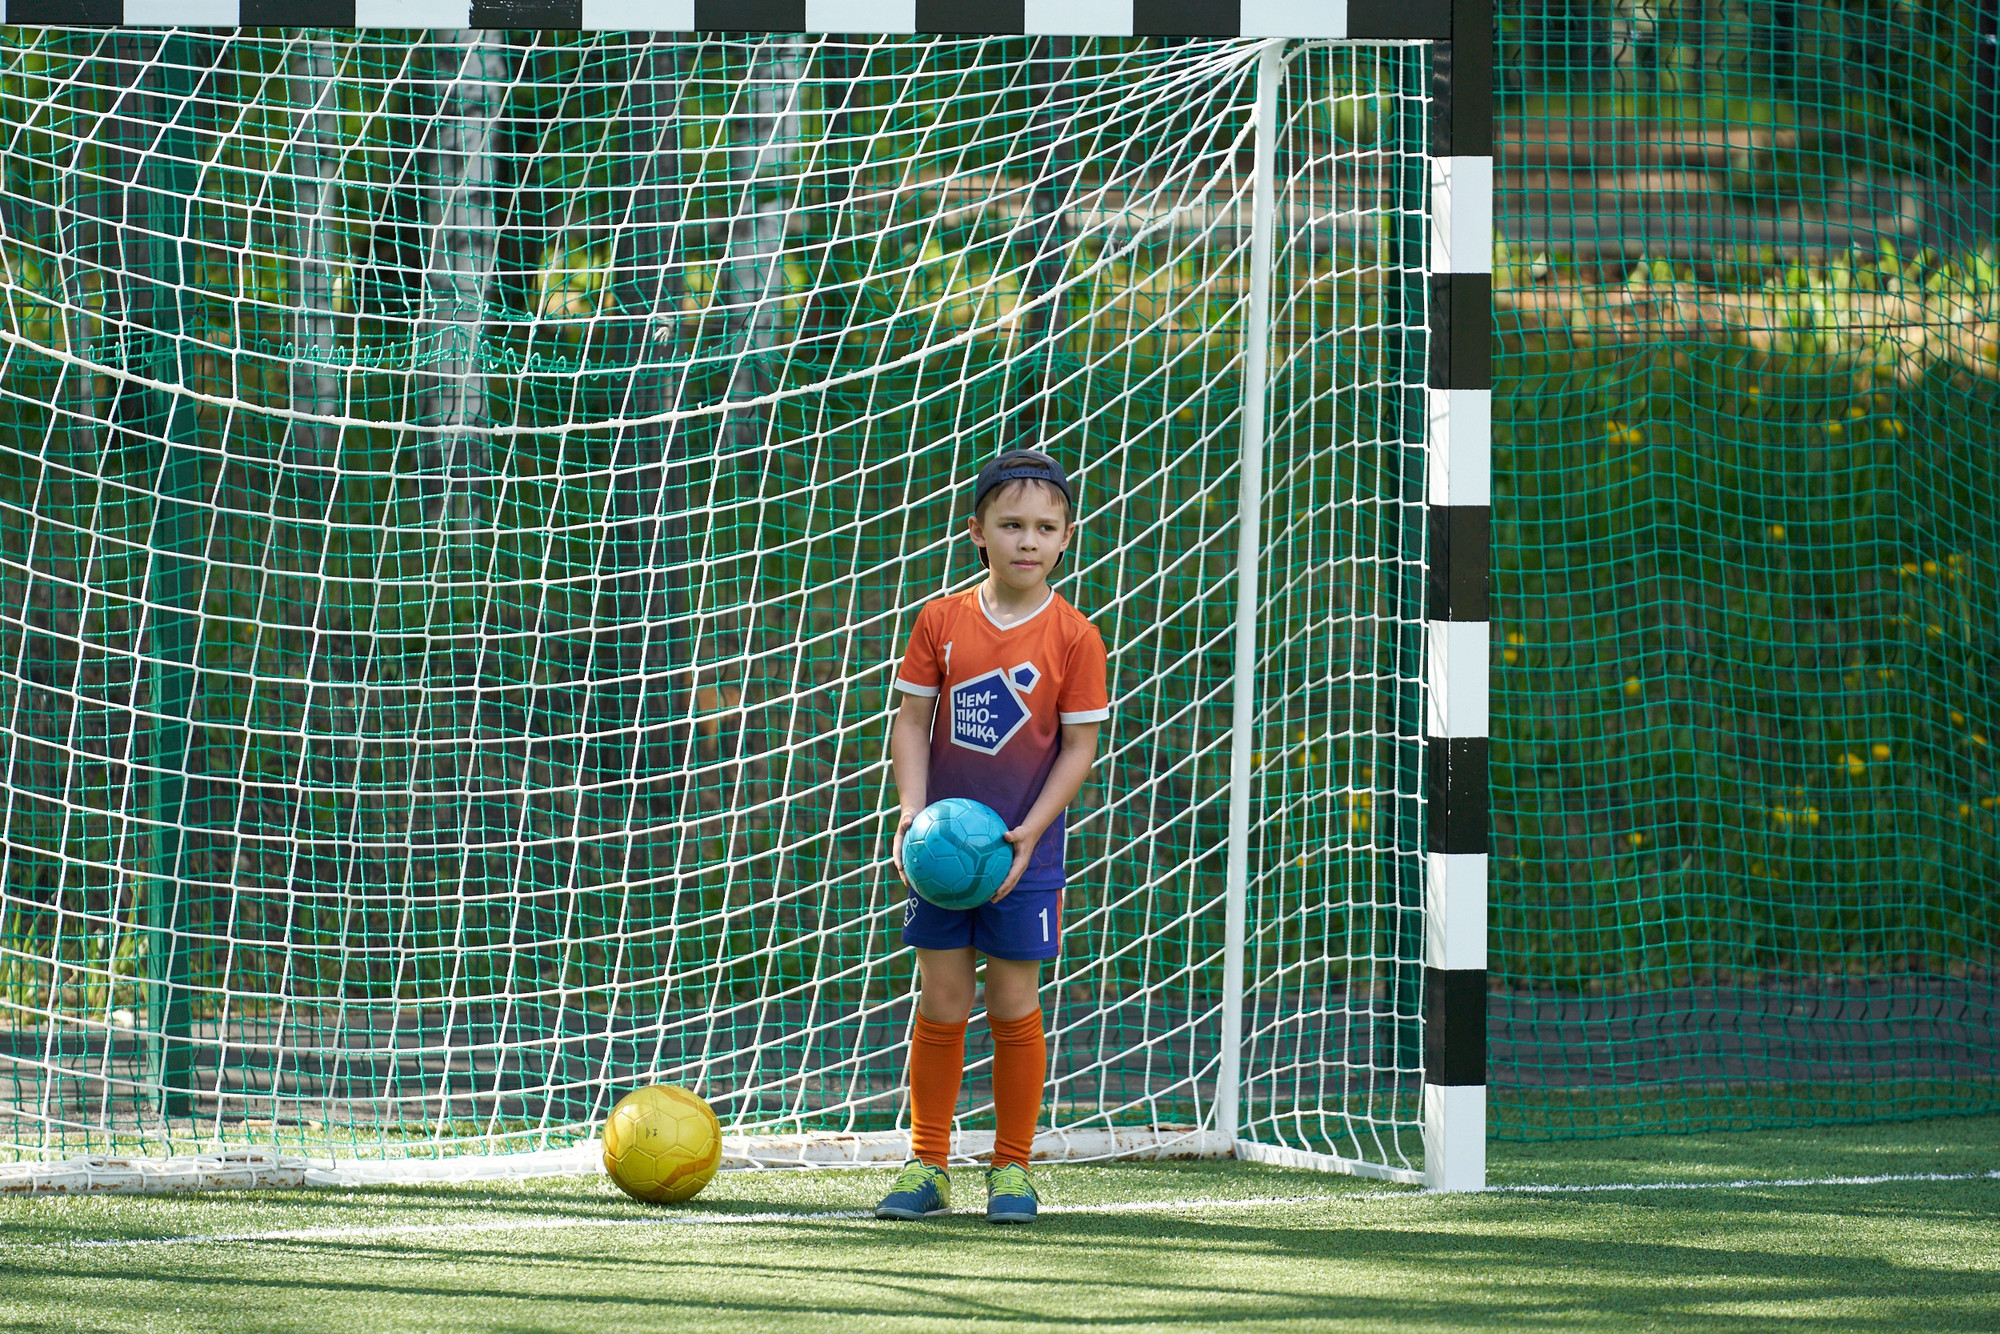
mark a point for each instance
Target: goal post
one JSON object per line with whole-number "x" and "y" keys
{"x": 467, "y": 490}
{"x": 1458, "y": 561}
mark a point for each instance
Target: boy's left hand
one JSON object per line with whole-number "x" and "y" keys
{"x": 1024, "y": 840}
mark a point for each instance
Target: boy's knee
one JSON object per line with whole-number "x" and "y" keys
{"x": 945, "y": 1003}
{"x": 1013, "y": 991}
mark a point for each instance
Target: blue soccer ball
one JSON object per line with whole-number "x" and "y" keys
{"x": 957, "y": 853}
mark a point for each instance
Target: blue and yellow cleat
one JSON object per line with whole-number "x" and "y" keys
{"x": 1010, "y": 1195}
{"x": 921, "y": 1191}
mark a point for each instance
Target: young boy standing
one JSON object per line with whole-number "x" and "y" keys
{"x": 1021, "y": 675}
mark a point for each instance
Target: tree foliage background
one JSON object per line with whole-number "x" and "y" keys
{"x": 1748, "y": 664}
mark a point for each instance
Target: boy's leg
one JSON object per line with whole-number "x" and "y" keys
{"x": 937, "y": 1051}
{"x": 1020, "y": 1055}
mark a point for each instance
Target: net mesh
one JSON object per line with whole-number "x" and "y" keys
{"x": 1745, "y": 565}
{"x": 465, "y": 495}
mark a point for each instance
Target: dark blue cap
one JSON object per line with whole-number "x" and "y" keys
{"x": 1020, "y": 465}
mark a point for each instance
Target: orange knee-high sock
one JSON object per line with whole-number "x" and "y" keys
{"x": 1020, "y": 1062}
{"x": 937, "y": 1063}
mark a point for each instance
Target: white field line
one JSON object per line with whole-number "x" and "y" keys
{"x": 1750, "y": 1183}
{"x": 555, "y": 1224}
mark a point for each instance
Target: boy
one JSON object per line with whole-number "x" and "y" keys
{"x": 1022, "y": 676}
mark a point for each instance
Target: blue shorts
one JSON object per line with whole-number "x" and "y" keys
{"x": 1027, "y": 924}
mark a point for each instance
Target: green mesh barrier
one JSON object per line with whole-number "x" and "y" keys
{"x": 1747, "y": 679}
{"x": 463, "y": 497}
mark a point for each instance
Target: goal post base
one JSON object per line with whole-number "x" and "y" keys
{"x": 1458, "y": 1167}
{"x": 1455, "y": 1137}
{"x": 264, "y": 1169}
{"x": 1278, "y": 1155}
{"x": 889, "y": 1148}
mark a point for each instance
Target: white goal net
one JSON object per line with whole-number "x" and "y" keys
{"x": 463, "y": 497}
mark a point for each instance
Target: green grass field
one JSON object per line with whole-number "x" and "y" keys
{"x": 1126, "y": 1246}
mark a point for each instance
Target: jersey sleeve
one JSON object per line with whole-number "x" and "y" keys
{"x": 921, "y": 673}
{"x": 1084, "y": 698}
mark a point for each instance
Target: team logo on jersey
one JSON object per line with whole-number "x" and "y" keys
{"x": 1024, "y": 677}
{"x": 987, "y": 710}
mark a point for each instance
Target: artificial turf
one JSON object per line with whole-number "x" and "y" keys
{"x": 1125, "y": 1246}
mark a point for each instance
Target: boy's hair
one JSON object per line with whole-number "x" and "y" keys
{"x": 1024, "y": 467}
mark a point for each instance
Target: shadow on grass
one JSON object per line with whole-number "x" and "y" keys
{"x": 1706, "y": 1263}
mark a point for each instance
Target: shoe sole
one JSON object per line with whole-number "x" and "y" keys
{"x": 909, "y": 1215}
{"x": 1010, "y": 1218}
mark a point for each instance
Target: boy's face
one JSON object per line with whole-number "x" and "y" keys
{"x": 1024, "y": 534}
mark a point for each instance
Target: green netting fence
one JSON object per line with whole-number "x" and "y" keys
{"x": 1747, "y": 676}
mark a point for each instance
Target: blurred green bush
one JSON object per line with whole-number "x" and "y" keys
{"x": 1747, "y": 665}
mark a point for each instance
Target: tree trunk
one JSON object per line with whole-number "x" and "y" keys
{"x": 637, "y": 646}
{"x": 315, "y": 172}
{"x": 461, "y": 821}
{"x": 460, "y": 245}
{"x": 752, "y": 279}
{"x": 1033, "y": 417}
{"x": 1986, "y": 82}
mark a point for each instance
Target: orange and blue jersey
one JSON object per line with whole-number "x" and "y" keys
{"x": 1006, "y": 691}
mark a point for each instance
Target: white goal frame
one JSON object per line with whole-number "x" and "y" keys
{"x": 1459, "y": 446}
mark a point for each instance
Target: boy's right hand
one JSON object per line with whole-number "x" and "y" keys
{"x": 896, "y": 846}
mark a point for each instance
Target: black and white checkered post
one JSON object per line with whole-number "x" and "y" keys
{"x": 1073, "y": 18}
{"x": 1461, "y": 415}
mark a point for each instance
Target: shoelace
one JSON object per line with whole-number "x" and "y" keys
{"x": 913, "y": 1177}
{"x": 1013, "y": 1179}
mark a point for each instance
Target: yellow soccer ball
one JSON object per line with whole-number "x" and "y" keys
{"x": 662, "y": 1144}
